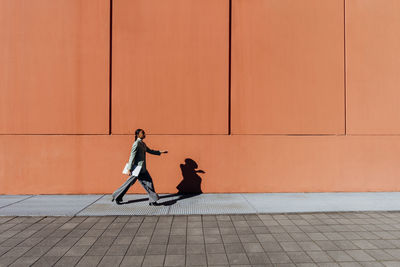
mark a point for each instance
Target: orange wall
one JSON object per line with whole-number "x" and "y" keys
{"x": 373, "y": 66}
{"x": 287, "y": 67}
{"x": 236, "y": 163}
{"x": 54, "y": 66}
{"x": 170, "y": 66}
{"x": 312, "y": 104}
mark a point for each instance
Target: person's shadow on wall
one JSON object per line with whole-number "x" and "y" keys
{"x": 190, "y": 185}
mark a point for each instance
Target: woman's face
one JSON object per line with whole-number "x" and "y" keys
{"x": 142, "y": 135}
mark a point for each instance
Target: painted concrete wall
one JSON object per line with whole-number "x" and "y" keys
{"x": 264, "y": 95}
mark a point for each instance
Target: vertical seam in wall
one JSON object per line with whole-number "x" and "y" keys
{"x": 345, "y": 78}
{"x": 229, "y": 71}
{"x": 110, "y": 69}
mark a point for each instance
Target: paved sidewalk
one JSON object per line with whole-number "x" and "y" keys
{"x": 100, "y": 205}
{"x": 305, "y": 239}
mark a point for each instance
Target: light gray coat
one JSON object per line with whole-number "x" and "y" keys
{"x": 138, "y": 154}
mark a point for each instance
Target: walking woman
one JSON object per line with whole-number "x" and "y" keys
{"x": 137, "y": 161}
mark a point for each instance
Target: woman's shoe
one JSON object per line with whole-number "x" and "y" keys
{"x": 153, "y": 203}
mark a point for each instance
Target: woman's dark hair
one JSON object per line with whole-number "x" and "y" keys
{"x": 137, "y": 133}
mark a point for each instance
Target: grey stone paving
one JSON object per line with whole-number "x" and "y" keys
{"x": 134, "y": 204}
{"x": 275, "y": 239}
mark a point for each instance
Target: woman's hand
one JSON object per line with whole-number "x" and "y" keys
{"x": 163, "y": 151}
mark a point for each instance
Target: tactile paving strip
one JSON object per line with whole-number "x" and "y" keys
{"x": 49, "y": 205}
{"x": 133, "y": 204}
{"x": 212, "y": 204}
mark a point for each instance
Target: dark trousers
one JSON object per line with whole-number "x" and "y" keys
{"x": 145, "y": 180}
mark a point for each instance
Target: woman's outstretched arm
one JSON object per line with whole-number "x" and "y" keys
{"x": 151, "y": 151}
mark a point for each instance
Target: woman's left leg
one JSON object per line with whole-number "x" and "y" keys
{"x": 147, "y": 182}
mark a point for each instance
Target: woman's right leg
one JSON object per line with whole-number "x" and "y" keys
{"x": 147, "y": 182}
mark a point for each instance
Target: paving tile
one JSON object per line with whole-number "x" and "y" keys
{"x": 258, "y": 258}
{"x": 350, "y": 264}
{"x": 300, "y": 237}
{"x": 196, "y": 260}
{"x": 382, "y": 244}
{"x": 281, "y": 237}
{"x": 253, "y": 247}
{"x": 278, "y": 257}
{"x": 16, "y": 252}
{"x": 77, "y": 250}
{"x": 46, "y": 261}
{"x": 132, "y": 261}
{"x": 212, "y": 239}
{"x": 211, "y": 231}
{"x": 194, "y": 231}
{"x": 345, "y": 245}
{"x": 117, "y": 250}
{"x": 156, "y": 249}
{"x": 290, "y": 246}
{"x": 215, "y": 248}
{"x": 267, "y": 237}
{"x": 327, "y": 245}
{"x": 24, "y": 261}
{"x": 390, "y": 263}
{"x": 217, "y": 259}
{"x": 176, "y": 249}
{"x": 227, "y": 231}
{"x": 137, "y": 250}
{"x": 309, "y": 245}
{"x": 36, "y": 251}
{"x": 394, "y": 252}
{"x": 89, "y": 261}
{"x": 159, "y": 239}
{"x": 67, "y": 261}
{"x": 195, "y": 249}
{"x": 174, "y": 260}
{"x": 364, "y": 244}
{"x": 177, "y": 239}
{"x": 108, "y": 261}
{"x": 319, "y": 256}
{"x": 379, "y": 255}
{"x": 317, "y": 236}
{"x": 234, "y": 248}
{"x": 237, "y": 258}
{"x": 6, "y": 261}
{"x": 299, "y": 257}
{"x": 248, "y": 238}
{"x": 271, "y": 246}
{"x": 178, "y": 231}
{"x": 339, "y": 255}
{"x": 371, "y": 264}
{"x": 195, "y": 239}
{"x": 97, "y": 250}
{"x": 227, "y": 239}
{"x": 359, "y": 255}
